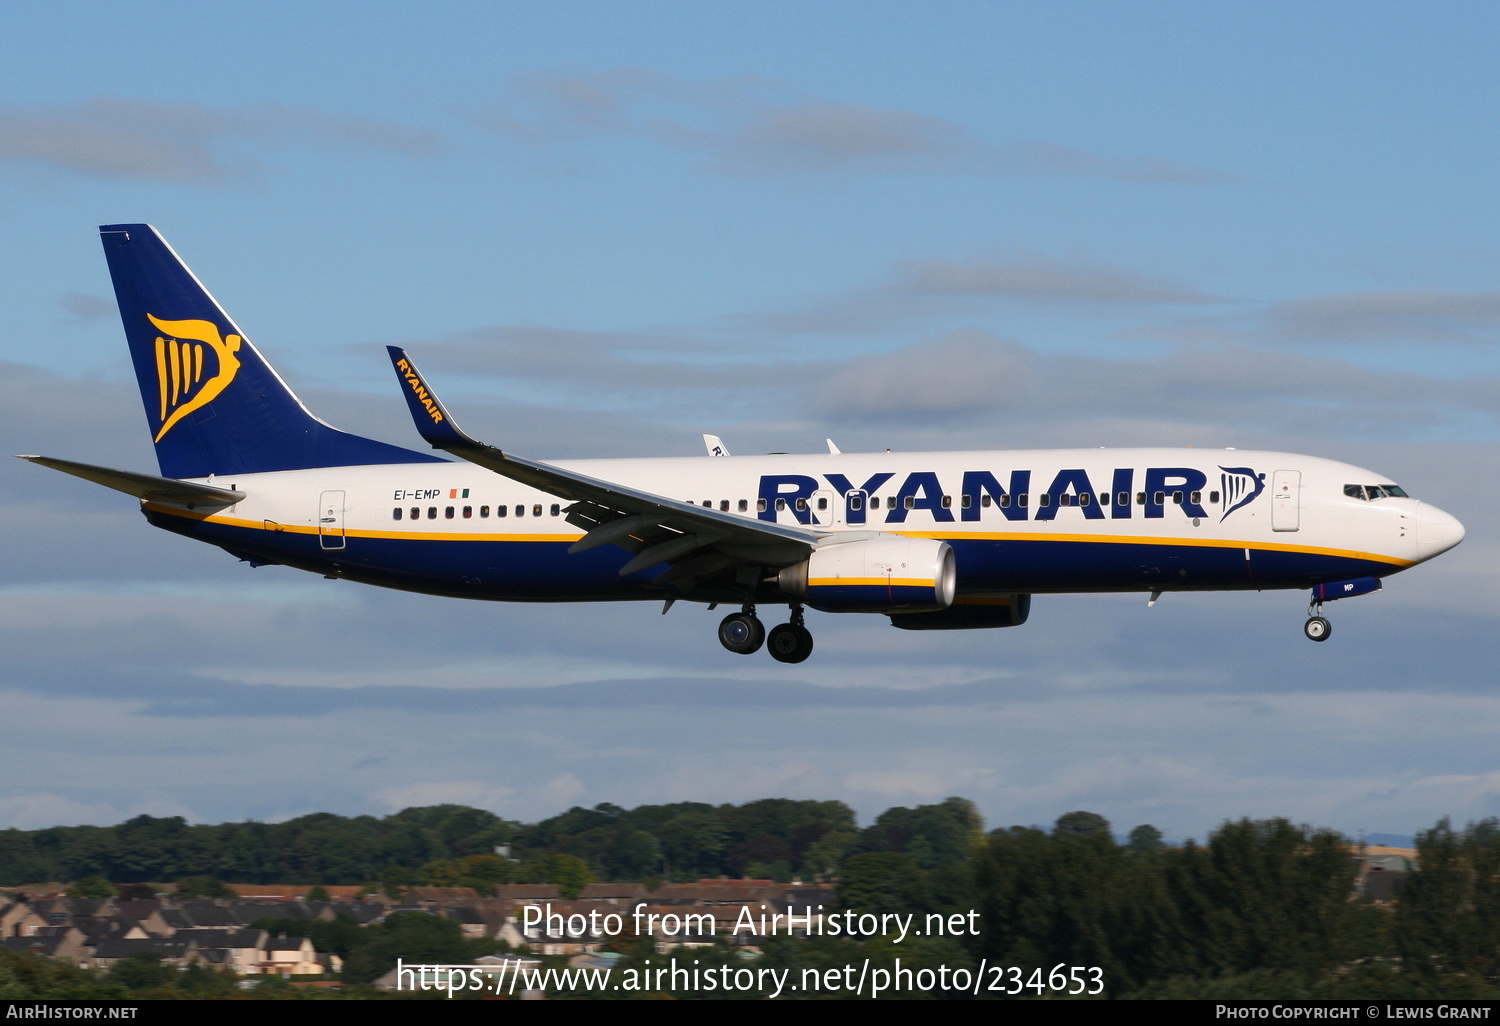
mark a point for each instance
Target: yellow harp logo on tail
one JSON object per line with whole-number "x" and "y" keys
{"x": 182, "y": 350}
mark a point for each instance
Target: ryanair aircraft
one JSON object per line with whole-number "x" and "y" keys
{"x": 934, "y": 541}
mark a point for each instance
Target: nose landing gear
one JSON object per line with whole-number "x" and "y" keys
{"x": 1317, "y": 628}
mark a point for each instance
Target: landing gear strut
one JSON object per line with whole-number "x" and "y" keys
{"x": 742, "y": 632}
{"x": 791, "y": 642}
{"x": 1317, "y": 628}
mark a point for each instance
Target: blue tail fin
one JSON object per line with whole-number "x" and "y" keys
{"x": 214, "y": 405}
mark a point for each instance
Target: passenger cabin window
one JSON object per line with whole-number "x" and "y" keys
{"x": 536, "y": 510}
{"x": 744, "y": 505}
{"x": 416, "y": 512}
{"x": 1213, "y": 497}
{"x": 801, "y": 504}
{"x": 856, "y": 502}
{"x": 780, "y": 505}
{"x": 448, "y": 512}
{"x": 966, "y": 501}
{"x": 520, "y": 511}
{"x": 556, "y": 509}
{"x": 823, "y": 502}
{"x": 1044, "y": 500}
{"x": 947, "y": 502}
{"x": 1177, "y": 498}
{"x": 501, "y": 511}
{"x": 984, "y": 500}
{"x": 760, "y": 505}
{"x": 1023, "y": 499}
{"x": 1123, "y": 498}
{"x": 396, "y": 513}
{"x": 911, "y": 502}
{"x": 723, "y": 505}
{"x": 484, "y": 512}
{"x": 468, "y": 512}
{"x": 1196, "y": 498}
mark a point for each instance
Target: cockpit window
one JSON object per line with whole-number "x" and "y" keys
{"x": 1375, "y": 491}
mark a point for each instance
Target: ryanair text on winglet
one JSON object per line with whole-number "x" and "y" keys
{"x": 420, "y": 391}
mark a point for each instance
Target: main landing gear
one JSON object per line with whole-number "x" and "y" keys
{"x": 1317, "y": 628}
{"x": 791, "y": 642}
{"x": 743, "y": 633}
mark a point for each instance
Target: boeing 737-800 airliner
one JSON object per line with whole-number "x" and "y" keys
{"x": 934, "y": 541}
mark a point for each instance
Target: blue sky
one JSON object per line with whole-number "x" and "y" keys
{"x": 606, "y": 228}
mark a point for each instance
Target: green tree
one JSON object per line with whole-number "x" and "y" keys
{"x": 1146, "y": 838}
{"x": 145, "y": 971}
{"x": 92, "y": 887}
{"x": 883, "y": 881}
{"x": 1448, "y": 918}
{"x": 410, "y": 936}
{"x": 1081, "y": 823}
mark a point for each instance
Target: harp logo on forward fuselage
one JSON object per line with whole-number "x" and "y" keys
{"x": 194, "y": 363}
{"x": 1241, "y": 485}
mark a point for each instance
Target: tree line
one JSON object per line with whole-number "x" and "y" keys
{"x": 454, "y": 845}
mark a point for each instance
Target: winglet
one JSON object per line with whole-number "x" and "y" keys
{"x": 434, "y": 423}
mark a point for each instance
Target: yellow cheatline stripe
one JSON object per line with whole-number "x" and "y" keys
{"x": 868, "y": 582}
{"x": 1126, "y": 539}
{"x": 1108, "y": 539}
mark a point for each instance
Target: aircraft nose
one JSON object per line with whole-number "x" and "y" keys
{"x": 1437, "y": 532}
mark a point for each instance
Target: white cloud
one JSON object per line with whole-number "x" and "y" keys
{"x": 184, "y": 142}
{"x": 750, "y": 126}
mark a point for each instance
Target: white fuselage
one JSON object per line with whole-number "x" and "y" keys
{"x": 1064, "y": 520}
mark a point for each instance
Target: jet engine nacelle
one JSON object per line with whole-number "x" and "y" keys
{"x": 886, "y": 574}
{"x": 969, "y": 613}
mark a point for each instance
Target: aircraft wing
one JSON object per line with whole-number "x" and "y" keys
{"x": 696, "y": 540}
{"x": 145, "y": 486}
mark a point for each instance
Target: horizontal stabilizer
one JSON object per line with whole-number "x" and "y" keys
{"x": 144, "y": 486}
